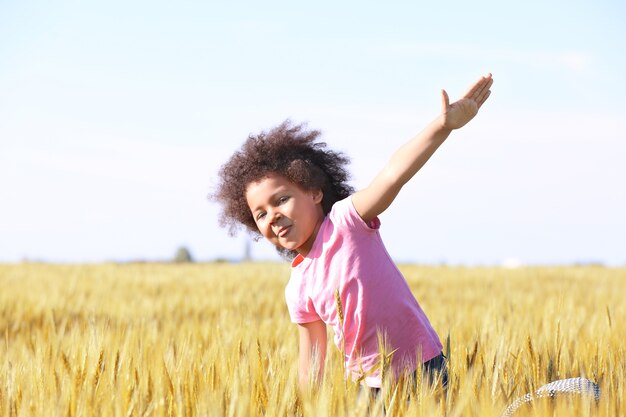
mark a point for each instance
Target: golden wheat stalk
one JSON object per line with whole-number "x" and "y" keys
{"x": 339, "y": 307}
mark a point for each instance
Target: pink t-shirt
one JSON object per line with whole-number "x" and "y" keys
{"x": 349, "y": 255}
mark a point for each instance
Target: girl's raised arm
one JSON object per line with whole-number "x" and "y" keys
{"x": 410, "y": 157}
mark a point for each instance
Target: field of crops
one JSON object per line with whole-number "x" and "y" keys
{"x": 215, "y": 340}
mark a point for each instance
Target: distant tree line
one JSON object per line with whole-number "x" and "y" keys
{"x": 183, "y": 255}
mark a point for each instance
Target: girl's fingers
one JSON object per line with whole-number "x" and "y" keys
{"x": 478, "y": 92}
{"x": 475, "y": 87}
{"x": 482, "y": 93}
{"x": 445, "y": 101}
{"x": 481, "y": 100}
{"x": 479, "y": 87}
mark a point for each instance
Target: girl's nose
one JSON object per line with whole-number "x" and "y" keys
{"x": 274, "y": 216}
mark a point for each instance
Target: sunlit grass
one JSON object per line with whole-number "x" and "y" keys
{"x": 215, "y": 339}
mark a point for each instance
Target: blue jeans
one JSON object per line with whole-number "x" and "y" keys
{"x": 437, "y": 366}
{"x": 434, "y": 369}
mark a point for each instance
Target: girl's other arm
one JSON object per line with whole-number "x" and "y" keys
{"x": 410, "y": 157}
{"x": 312, "y": 352}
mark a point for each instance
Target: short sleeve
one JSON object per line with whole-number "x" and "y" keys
{"x": 299, "y": 304}
{"x": 343, "y": 213}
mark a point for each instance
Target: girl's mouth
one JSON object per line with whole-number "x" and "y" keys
{"x": 282, "y": 232}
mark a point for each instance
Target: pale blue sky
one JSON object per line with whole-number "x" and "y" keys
{"x": 115, "y": 117}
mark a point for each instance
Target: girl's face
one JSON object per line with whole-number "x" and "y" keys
{"x": 286, "y": 215}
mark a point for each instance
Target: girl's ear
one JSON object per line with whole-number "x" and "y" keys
{"x": 318, "y": 196}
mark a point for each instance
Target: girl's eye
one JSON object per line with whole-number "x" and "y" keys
{"x": 260, "y": 216}
{"x": 283, "y": 199}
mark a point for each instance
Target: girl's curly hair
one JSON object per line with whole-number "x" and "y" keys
{"x": 288, "y": 150}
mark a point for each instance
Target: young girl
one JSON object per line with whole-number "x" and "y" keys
{"x": 292, "y": 190}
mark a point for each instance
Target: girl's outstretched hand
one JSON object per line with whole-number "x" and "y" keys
{"x": 460, "y": 112}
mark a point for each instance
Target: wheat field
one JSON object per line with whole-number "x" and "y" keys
{"x": 215, "y": 340}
